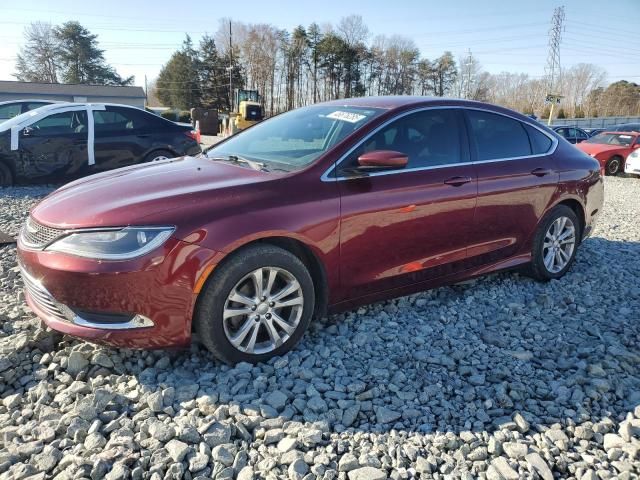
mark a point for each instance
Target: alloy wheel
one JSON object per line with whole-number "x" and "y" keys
{"x": 613, "y": 166}
{"x": 559, "y": 243}
{"x": 158, "y": 158}
{"x": 263, "y": 310}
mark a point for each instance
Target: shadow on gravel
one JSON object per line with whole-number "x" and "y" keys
{"x": 467, "y": 357}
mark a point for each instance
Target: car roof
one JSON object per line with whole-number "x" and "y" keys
{"x": 616, "y": 132}
{"x": 22, "y": 100}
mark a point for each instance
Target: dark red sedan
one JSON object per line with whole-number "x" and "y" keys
{"x": 313, "y": 211}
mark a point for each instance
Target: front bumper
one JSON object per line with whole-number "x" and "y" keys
{"x": 142, "y": 303}
{"x": 632, "y": 166}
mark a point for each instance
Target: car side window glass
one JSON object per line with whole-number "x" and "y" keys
{"x": 497, "y": 136}
{"x": 34, "y": 105}
{"x": 9, "y": 111}
{"x": 540, "y": 143}
{"x": 429, "y": 138}
{"x": 118, "y": 119}
{"x": 61, "y": 123}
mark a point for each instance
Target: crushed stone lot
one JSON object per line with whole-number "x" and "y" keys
{"x": 499, "y": 378}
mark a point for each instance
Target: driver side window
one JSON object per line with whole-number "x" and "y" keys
{"x": 63, "y": 123}
{"x": 429, "y": 138}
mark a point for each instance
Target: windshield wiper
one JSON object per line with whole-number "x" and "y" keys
{"x": 236, "y": 159}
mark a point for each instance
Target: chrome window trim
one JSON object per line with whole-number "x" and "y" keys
{"x": 326, "y": 178}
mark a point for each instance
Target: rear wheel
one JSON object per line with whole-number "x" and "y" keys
{"x": 158, "y": 155}
{"x": 256, "y": 305}
{"x": 6, "y": 177}
{"x": 555, "y": 244}
{"x": 613, "y": 166}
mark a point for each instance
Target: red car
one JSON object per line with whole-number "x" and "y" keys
{"x": 611, "y": 149}
{"x": 313, "y": 211}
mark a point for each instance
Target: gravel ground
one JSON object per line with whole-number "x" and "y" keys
{"x": 500, "y": 378}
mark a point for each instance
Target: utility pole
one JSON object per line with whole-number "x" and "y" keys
{"x": 230, "y": 71}
{"x": 146, "y": 90}
{"x": 553, "y": 71}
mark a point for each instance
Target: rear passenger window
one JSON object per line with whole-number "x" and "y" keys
{"x": 116, "y": 119}
{"x": 497, "y": 136}
{"x": 540, "y": 143}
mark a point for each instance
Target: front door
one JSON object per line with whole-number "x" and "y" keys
{"x": 409, "y": 225}
{"x": 516, "y": 181}
{"x": 54, "y": 148}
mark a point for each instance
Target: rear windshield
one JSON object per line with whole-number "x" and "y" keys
{"x": 296, "y": 138}
{"x": 612, "y": 139}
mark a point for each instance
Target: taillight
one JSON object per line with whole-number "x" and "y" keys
{"x": 194, "y": 135}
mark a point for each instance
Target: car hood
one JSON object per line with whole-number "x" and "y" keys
{"x": 129, "y": 196}
{"x": 595, "y": 148}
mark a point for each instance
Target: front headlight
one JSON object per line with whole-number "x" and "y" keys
{"x": 635, "y": 154}
{"x": 112, "y": 244}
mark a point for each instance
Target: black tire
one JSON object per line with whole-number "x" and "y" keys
{"x": 158, "y": 155}
{"x": 208, "y": 316}
{"x": 6, "y": 177}
{"x": 537, "y": 269}
{"x": 613, "y": 166}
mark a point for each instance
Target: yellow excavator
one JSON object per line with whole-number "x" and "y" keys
{"x": 249, "y": 108}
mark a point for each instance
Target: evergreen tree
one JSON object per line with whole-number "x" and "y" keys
{"x": 81, "y": 60}
{"x": 178, "y": 83}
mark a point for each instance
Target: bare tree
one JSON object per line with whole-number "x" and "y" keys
{"x": 36, "y": 61}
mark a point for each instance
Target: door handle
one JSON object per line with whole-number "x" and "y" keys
{"x": 540, "y": 172}
{"x": 457, "y": 181}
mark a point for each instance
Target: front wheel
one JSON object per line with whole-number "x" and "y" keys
{"x": 555, "y": 244}
{"x": 255, "y": 306}
{"x": 158, "y": 155}
{"x": 613, "y": 166}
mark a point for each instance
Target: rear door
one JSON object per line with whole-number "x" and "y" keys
{"x": 405, "y": 226}
{"x": 54, "y": 148}
{"x": 122, "y": 137}
{"x": 517, "y": 179}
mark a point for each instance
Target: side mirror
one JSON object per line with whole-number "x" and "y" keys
{"x": 382, "y": 160}
{"x": 27, "y": 132}
{"x": 637, "y": 145}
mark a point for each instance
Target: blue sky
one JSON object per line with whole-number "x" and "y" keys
{"x": 139, "y": 36}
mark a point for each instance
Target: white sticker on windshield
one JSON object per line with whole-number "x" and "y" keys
{"x": 626, "y": 137}
{"x": 346, "y": 116}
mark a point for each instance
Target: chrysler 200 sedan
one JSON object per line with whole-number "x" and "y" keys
{"x": 313, "y": 211}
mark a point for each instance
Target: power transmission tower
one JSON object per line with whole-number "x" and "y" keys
{"x": 553, "y": 71}
{"x": 468, "y": 64}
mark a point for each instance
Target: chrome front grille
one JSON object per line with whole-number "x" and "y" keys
{"x": 35, "y": 235}
{"x": 42, "y": 298}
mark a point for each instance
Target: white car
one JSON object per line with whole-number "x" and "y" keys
{"x": 632, "y": 165}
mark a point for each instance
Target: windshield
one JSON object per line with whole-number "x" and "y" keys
{"x": 612, "y": 139}
{"x": 294, "y": 139}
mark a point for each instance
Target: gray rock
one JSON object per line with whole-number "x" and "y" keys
{"x": 539, "y": 465}
{"x": 177, "y": 449}
{"x": 386, "y": 415}
{"x": 515, "y": 450}
{"x": 276, "y": 399}
{"x": 348, "y": 462}
{"x": 367, "y": 473}
{"x": 504, "y": 469}
{"x": 76, "y": 362}
{"x": 297, "y": 470}
{"x": 223, "y": 454}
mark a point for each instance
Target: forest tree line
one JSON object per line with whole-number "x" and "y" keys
{"x": 312, "y": 64}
